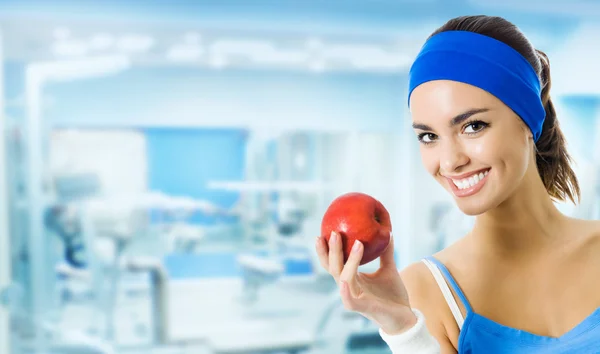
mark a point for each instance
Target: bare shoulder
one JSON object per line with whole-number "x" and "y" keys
{"x": 418, "y": 278}
{"x": 595, "y": 227}
{"x": 585, "y": 236}
{"x": 425, "y": 295}
{"x": 422, "y": 289}
{"x": 591, "y": 231}
{"x": 418, "y": 281}
{"x": 587, "y": 230}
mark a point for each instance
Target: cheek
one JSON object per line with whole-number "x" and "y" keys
{"x": 520, "y": 157}
{"x": 506, "y": 155}
{"x": 486, "y": 152}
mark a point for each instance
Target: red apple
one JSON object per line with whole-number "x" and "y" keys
{"x": 358, "y": 216}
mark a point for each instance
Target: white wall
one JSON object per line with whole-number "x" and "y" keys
{"x": 204, "y": 98}
{"x": 574, "y": 65}
{"x": 118, "y": 157}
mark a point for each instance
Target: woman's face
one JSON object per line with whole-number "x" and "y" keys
{"x": 476, "y": 147}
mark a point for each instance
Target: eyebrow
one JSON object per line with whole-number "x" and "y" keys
{"x": 456, "y": 120}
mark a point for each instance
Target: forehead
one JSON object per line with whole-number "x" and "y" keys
{"x": 444, "y": 98}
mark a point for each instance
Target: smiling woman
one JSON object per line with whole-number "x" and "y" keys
{"x": 479, "y": 95}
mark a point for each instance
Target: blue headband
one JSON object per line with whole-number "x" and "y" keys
{"x": 484, "y": 62}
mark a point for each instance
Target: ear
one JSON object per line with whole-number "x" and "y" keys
{"x": 529, "y": 134}
{"x": 526, "y": 129}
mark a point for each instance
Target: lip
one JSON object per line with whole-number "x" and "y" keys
{"x": 468, "y": 174}
{"x": 461, "y": 193}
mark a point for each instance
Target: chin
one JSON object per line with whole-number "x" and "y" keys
{"x": 477, "y": 204}
{"x": 472, "y": 208}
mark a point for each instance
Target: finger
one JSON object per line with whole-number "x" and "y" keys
{"x": 351, "y": 302}
{"x": 336, "y": 258}
{"x": 322, "y": 252}
{"x": 387, "y": 257}
{"x": 351, "y": 267}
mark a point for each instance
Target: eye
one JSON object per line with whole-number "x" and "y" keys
{"x": 475, "y": 127}
{"x": 427, "y": 138}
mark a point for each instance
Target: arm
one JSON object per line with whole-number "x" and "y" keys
{"x": 388, "y": 297}
{"x": 429, "y": 335}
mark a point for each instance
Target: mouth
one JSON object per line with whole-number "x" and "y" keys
{"x": 470, "y": 181}
{"x": 468, "y": 184}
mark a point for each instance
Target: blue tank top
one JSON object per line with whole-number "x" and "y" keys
{"x": 480, "y": 334}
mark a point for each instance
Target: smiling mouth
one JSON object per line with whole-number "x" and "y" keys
{"x": 471, "y": 181}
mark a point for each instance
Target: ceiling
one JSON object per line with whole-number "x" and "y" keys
{"x": 151, "y": 30}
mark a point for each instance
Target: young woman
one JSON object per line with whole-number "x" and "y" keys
{"x": 526, "y": 278}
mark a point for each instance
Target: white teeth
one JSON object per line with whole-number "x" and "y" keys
{"x": 471, "y": 181}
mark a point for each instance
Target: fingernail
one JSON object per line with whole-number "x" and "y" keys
{"x": 356, "y": 246}
{"x": 318, "y": 240}
{"x": 333, "y": 237}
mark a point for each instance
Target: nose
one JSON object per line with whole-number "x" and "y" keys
{"x": 453, "y": 156}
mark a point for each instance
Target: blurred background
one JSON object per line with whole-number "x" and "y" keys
{"x": 164, "y": 165}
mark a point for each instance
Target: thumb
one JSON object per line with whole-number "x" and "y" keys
{"x": 387, "y": 257}
{"x": 352, "y": 303}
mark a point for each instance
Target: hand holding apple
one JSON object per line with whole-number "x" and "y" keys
{"x": 358, "y": 222}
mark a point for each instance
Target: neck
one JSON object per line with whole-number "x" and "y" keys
{"x": 524, "y": 225}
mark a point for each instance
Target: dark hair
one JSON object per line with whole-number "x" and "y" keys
{"x": 552, "y": 159}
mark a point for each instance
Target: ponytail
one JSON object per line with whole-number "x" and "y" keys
{"x": 552, "y": 159}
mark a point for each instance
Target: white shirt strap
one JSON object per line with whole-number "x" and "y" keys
{"x": 450, "y": 300}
